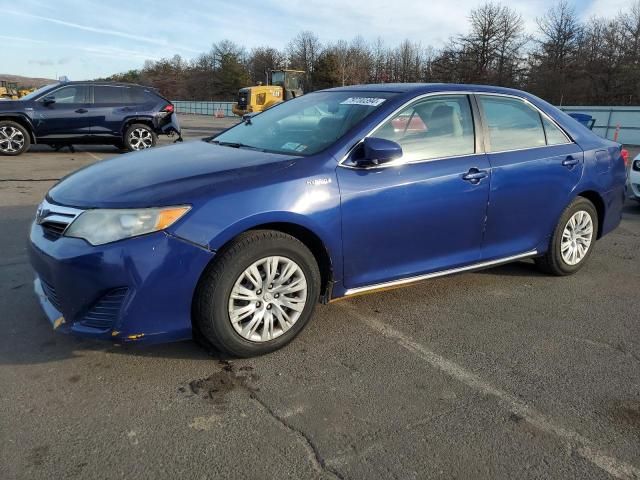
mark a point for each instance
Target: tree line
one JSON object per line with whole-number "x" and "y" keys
{"x": 565, "y": 61}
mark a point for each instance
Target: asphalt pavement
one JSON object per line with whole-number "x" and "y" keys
{"x": 505, "y": 373}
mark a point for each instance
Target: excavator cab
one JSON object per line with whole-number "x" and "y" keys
{"x": 281, "y": 85}
{"x": 4, "y": 90}
{"x": 291, "y": 82}
{"x": 12, "y": 90}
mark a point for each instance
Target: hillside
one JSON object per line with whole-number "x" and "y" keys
{"x": 26, "y": 81}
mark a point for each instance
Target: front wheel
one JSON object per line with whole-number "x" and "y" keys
{"x": 573, "y": 239}
{"x": 14, "y": 138}
{"x": 258, "y": 294}
{"x": 139, "y": 137}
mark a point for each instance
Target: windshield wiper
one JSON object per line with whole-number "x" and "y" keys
{"x": 236, "y": 145}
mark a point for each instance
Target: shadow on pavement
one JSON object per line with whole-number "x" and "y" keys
{"x": 524, "y": 268}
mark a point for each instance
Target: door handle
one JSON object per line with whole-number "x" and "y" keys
{"x": 82, "y": 110}
{"x": 474, "y": 175}
{"x": 570, "y": 162}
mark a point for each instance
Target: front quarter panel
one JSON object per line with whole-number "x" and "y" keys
{"x": 305, "y": 194}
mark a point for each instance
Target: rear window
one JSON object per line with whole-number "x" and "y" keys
{"x": 555, "y": 136}
{"x": 106, "y": 95}
{"x": 512, "y": 124}
{"x": 136, "y": 95}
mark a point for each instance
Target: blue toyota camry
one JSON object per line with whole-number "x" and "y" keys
{"x": 332, "y": 194}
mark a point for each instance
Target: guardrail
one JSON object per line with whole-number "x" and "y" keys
{"x": 204, "y": 108}
{"x": 608, "y": 119}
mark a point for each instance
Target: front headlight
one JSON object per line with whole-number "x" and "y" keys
{"x": 102, "y": 226}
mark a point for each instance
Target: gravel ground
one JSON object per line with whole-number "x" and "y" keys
{"x": 504, "y": 373}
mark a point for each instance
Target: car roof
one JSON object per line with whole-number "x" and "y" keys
{"x": 419, "y": 88}
{"x": 105, "y": 82}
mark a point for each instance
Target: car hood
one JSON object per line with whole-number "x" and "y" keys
{"x": 172, "y": 175}
{"x": 11, "y": 105}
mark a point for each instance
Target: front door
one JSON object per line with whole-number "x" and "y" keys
{"x": 65, "y": 113}
{"x": 425, "y": 214}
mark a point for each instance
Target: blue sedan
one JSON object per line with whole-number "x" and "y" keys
{"x": 336, "y": 193}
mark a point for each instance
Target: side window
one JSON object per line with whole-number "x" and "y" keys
{"x": 555, "y": 136}
{"x": 72, "y": 94}
{"x": 512, "y": 123}
{"x": 133, "y": 95}
{"x": 436, "y": 127}
{"x": 107, "y": 95}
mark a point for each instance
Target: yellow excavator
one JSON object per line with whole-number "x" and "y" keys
{"x": 22, "y": 92}
{"x": 8, "y": 90}
{"x": 281, "y": 85}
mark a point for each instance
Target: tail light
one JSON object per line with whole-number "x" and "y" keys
{"x": 625, "y": 156}
{"x": 170, "y": 109}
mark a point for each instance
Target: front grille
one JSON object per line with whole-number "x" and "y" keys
{"x": 54, "y": 229}
{"x": 243, "y": 99}
{"x": 54, "y": 219}
{"x": 106, "y": 310}
{"x": 51, "y": 294}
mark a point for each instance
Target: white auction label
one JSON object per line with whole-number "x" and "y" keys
{"x": 368, "y": 101}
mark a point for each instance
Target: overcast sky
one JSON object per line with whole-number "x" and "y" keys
{"x": 90, "y": 38}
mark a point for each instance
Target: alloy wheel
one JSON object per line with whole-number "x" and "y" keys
{"x": 140, "y": 138}
{"x": 267, "y": 299}
{"x": 576, "y": 237}
{"x": 11, "y": 139}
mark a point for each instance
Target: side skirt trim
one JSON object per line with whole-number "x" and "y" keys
{"x": 404, "y": 281}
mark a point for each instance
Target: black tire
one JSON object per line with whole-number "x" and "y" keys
{"x": 552, "y": 262}
{"x": 129, "y": 137}
{"x": 9, "y": 148}
{"x": 211, "y": 301}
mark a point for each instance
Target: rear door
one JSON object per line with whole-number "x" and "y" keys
{"x": 109, "y": 109}
{"x": 535, "y": 168}
{"x": 66, "y": 116}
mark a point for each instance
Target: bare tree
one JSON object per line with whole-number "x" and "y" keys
{"x": 303, "y": 51}
{"x": 263, "y": 59}
{"x": 554, "y": 62}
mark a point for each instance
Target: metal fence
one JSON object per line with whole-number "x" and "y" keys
{"x": 609, "y": 118}
{"x": 203, "y": 108}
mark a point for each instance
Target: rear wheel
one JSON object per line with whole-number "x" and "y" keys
{"x": 14, "y": 138}
{"x": 258, "y": 295}
{"x": 573, "y": 239}
{"x": 139, "y": 137}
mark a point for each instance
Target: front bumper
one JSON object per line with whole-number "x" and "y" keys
{"x": 633, "y": 189}
{"x": 136, "y": 289}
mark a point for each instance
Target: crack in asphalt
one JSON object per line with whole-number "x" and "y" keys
{"x": 318, "y": 462}
{"x": 215, "y": 387}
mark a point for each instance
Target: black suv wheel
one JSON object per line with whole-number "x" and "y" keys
{"x": 139, "y": 137}
{"x": 14, "y": 138}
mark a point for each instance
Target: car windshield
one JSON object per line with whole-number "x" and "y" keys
{"x": 304, "y": 125}
{"x": 37, "y": 92}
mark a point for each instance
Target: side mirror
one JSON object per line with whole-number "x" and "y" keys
{"x": 378, "y": 151}
{"x": 48, "y": 100}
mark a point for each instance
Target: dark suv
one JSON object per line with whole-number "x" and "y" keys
{"x": 126, "y": 115}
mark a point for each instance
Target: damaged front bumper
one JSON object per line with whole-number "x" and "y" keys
{"x": 139, "y": 289}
